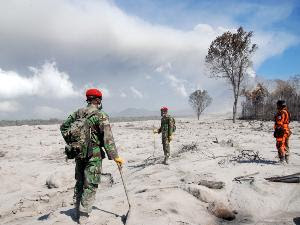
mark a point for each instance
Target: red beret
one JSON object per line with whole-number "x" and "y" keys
{"x": 164, "y": 108}
{"x": 93, "y": 92}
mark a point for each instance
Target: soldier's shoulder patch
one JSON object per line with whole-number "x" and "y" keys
{"x": 104, "y": 116}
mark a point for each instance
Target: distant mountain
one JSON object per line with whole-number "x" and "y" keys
{"x": 136, "y": 112}
{"x": 141, "y": 112}
{"x": 182, "y": 113}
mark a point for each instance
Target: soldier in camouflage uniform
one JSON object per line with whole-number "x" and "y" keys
{"x": 89, "y": 159}
{"x": 166, "y": 130}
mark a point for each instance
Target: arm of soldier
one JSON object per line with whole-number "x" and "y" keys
{"x": 109, "y": 143}
{"x": 159, "y": 130}
{"x": 156, "y": 131}
{"x": 108, "y": 139}
{"x": 67, "y": 124}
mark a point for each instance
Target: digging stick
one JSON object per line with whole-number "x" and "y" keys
{"x": 126, "y": 192}
{"x": 154, "y": 144}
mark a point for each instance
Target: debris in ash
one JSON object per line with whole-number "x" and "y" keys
{"x": 247, "y": 155}
{"x": 221, "y": 211}
{"x": 2, "y": 154}
{"x": 193, "y": 147}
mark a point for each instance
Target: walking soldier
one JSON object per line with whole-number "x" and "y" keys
{"x": 87, "y": 132}
{"x": 166, "y": 129}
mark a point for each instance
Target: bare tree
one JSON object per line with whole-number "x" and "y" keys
{"x": 284, "y": 90}
{"x": 295, "y": 82}
{"x": 260, "y": 103}
{"x": 199, "y": 100}
{"x": 253, "y": 106}
{"x": 229, "y": 56}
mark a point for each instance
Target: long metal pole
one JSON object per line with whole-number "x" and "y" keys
{"x": 154, "y": 144}
{"x": 126, "y": 192}
{"x": 124, "y": 185}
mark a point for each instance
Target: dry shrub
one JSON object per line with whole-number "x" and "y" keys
{"x": 193, "y": 147}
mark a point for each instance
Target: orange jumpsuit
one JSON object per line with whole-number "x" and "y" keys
{"x": 282, "y": 119}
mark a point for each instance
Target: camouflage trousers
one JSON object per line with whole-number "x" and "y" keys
{"x": 166, "y": 147}
{"x": 87, "y": 175}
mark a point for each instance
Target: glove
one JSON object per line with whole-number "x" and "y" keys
{"x": 155, "y": 131}
{"x": 119, "y": 161}
{"x": 170, "y": 138}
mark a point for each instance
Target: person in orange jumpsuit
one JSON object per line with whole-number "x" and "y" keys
{"x": 282, "y": 131}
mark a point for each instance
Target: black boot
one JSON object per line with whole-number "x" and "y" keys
{"x": 76, "y": 211}
{"x": 166, "y": 161}
{"x": 287, "y": 159}
{"x": 281, "y": 159}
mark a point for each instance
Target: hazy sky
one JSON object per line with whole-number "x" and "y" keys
{"x": 140, "y": 53}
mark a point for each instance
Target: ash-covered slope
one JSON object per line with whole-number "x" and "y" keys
{"x": 212, "y": 149}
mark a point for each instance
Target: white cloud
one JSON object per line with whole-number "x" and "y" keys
{"x": 177, "y": 84}
{"x": 136, "y": 93}
{"x": 105, "y": 92}
{"x": 271, "y": 44}
{"x": 45, "y": 82}
{"x": 251, "y": 73}
{"x": 46, "y": 112}
{"x": 164, "y": 68}
{"x": 123, "y": 95}
{"x": 210, "y": 31}
{"x": 204, "y": 28}
{"x": 9, "y": 106}
{"x": 105, "y": 30}
{"x": 102, "y": 30}
{"x": 100, "y": 42}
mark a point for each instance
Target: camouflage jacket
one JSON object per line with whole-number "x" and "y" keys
{"x": 165, "y": 127}
{"x": 101, "y": 134}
